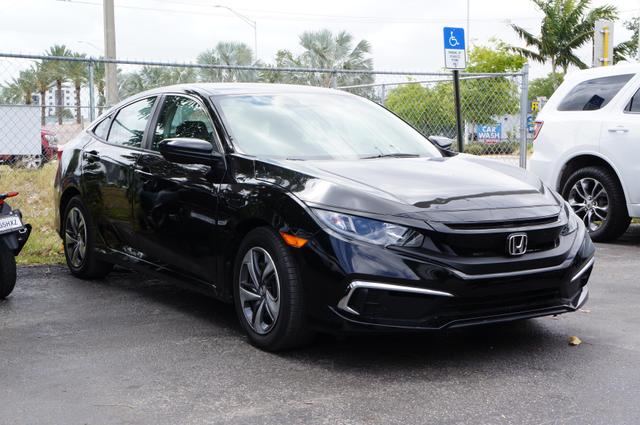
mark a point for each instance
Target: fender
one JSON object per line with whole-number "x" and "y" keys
{"x": 577, "y": 153}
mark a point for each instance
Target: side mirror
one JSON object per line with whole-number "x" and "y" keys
{"x": 441, "y": 142}
{"x": 185, "y": 150}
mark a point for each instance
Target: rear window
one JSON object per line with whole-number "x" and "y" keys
{"x": 593, "y": 94}
{"x": 102, "y": 129}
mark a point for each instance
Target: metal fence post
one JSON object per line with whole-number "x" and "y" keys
{"x": 92, "y": 94}
{"x": 524, "y": 109}
{"x": 334, "y": 79}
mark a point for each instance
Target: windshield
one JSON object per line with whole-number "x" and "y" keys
{"x": 319, "y": 126}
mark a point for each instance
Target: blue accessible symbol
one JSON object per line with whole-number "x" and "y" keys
{"x": 454, "y": 38}
{"x": 454, "y": 48}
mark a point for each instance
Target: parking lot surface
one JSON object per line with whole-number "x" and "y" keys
{"x": 130, "y": 349}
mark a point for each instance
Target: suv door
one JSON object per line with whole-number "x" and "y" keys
{"x": 175, "y": 204}
{"x": 107, "y": 167}
{"x": 620, "y": 140}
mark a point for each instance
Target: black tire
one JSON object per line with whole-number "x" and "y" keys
{"x": 290, "y": 329}
{"x": 7, "y": 272}
{"x": 617, "y": 220}
{"x": 90, "y": 267}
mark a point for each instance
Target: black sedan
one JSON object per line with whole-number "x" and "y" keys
{"x": 313, "y": 209}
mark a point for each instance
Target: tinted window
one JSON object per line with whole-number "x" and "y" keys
{"x": 182, "y": 117}
{"x": 593, "y": 94}
{"x": 128, "y": 126}
{"x": 634, "y": 103}
{"x": 102, "y": 129}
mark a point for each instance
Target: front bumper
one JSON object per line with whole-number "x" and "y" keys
{"x": 391, "y": 290}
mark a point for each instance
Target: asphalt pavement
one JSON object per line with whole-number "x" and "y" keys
{"x": 134, "y": 350}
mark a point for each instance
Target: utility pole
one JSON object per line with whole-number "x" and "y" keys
{"x": 111, "y": 74}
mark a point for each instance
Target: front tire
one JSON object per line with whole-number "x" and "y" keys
{"x": 597, "y": 198}
{"x": 268, "y": 293}
{"x": 79, "y": 235}
{"x": 7, "y": 272}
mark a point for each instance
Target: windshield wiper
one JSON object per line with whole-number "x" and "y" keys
{"x": 392, "y": 155}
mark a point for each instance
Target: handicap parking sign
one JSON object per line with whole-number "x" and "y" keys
{"x": 455, "y": 56}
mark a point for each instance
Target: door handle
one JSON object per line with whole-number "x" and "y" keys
{"x": 143, "y": 169}
{"x": 92, "y": 156}
{"x": 619, "y": 129}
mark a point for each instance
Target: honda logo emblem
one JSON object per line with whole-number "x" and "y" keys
{"x": 517, "y": 244}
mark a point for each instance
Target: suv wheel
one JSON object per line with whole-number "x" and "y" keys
{"x": 597, "y": 198}
{"x": 31, "y": 162}
{"x": 79, "y": 236}
{"x": 268, "y": 292}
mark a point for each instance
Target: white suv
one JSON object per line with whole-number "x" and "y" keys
{"x": 587, "y": 147}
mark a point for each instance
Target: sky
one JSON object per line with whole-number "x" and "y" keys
{"x": 404, "y": 34}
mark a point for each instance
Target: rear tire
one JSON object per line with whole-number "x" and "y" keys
{"x": 79, "y": 235}
{"x": 595, "y": 193}
{"x": 281, "y": 322}
{"x": 7, "y": 272}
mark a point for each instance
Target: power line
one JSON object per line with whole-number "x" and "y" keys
{"x": 293, "y": 16}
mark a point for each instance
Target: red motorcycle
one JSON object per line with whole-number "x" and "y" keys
{"x": 13, "y": 236}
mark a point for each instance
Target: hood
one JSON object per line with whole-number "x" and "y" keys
{"x": 460, "y": 188}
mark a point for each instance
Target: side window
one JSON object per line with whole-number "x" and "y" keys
{"x": 593, "y": 94}
{"x": 182, "y": 117}
{"x": 634, "y": 104}
{"x": 129, "y": 124}
{"x": 102, "y": 129}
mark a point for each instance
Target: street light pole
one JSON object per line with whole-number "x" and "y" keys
{"x": 253, "y": 24}
{"x": 111, "y": 84}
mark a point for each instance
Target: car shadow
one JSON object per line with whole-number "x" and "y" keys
{"x": 631, "y": 237}
{"x": 442, "y": 348}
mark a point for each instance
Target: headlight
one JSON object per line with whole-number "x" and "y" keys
{"x": 50, "y": 138}
{"x": 368, "y": 230}
{"x": 572, "y": 220}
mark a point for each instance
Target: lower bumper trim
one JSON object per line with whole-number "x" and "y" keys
{"x": 343, "y": 304}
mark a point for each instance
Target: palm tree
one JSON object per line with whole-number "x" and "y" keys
{"x": 99, "y": 81}
{"x": 58, "y": 71}
{"x": 23, "y": 87}
{"x": 627, "y": 50}
{"x": 42, "y": 82}
{"x": 77, "y": 73}
{"x": 227, "y": 53}
{"x": 11, "y": 93}
{"x": 154, "y": 76}
{"x": 323, "y": 49}
{"x": 566, "y": 26}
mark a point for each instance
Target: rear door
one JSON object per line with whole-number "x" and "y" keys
{"x": 108, "y": 163}
{"x": 620, "y": 138}
{"x": 175, "y": 204}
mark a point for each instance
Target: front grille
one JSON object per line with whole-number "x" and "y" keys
{"x": 489, "y": 239}
{"x": 483, "y": 225}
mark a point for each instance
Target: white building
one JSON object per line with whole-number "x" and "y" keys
{"x": 68, "y": 100}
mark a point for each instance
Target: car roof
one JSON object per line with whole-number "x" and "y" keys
{"x": 218, "y": 89}
{"x": 604, "y": 71}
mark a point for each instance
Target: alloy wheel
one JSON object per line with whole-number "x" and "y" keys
{"x": 32, "y": 162}
{"x": 590, "y": 202}
{"x": 259, "y": 288}
{"x": 75, "y": 237}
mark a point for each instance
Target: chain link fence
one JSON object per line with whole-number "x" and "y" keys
{"x": 46, "y": 101}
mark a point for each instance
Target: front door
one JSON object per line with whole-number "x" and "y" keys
{"x": 620, "y": 142}
{"x": 174, "y": 205}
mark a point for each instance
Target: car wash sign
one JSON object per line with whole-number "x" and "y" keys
{"x": 489, "y": 133}
{"x": 455, "y": 55}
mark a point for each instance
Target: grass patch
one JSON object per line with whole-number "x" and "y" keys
{"x": 37, "y": 205}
